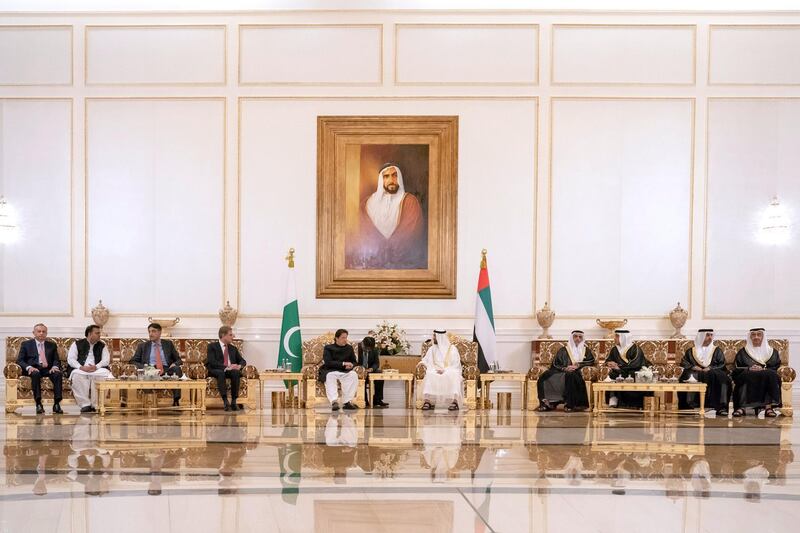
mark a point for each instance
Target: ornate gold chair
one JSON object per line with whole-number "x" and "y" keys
{"x": 468, "y": 351}
{"x": 312, "y": 361}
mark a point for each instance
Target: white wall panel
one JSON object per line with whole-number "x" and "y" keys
{"x": 758, "y": 55}
{"x": 495, "y": 203}
{"x": 752, "y": 155}
{"x": 598, "y": 54}
{"x": 503, "y": 54}
{"x": 35, "y": 178}
{"x": 621, "y": 174}
{"x": 136, "y": 55}
{"x": 336, "y": 55}
{"x": 35, "y": 55}
{"x": 155, "y": 186}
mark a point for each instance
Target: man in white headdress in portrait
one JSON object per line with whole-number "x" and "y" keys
{"x": 392, "y": 232}
{"x": 443, "y": 380}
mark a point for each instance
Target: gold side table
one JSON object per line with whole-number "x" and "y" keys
{"x": 488, "y": 378}
{"x": 269, "y": 375}
{"x": 397, "y": 376}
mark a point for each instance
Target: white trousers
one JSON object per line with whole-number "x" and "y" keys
{"x": 349, "y": 381}
{"x": 83, "y": 387}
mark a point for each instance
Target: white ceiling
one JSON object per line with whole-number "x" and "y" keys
{"x": 250, "y": 5}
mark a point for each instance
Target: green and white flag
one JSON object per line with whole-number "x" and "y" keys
{"x": 291, "y": 344}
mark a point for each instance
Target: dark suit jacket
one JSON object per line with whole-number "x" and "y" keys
{"x": 369, "y": 358}
{"x": 28, "y": 356}
{"x": 334, "y": 357}
{"x": 216, "y": 361}
{"x": 169, "y": 356}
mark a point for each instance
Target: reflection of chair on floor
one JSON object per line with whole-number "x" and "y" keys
{"x": 312, "y": 361}
{"x": 468, "y": 351}
{"x": 443, "y": 451}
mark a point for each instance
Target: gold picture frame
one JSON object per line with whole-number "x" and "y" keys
{"x": 387, "y": 192}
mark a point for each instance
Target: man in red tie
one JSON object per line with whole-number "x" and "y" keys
{"x": 160, "y": 353}
{"x": 38, "y": 358}
{"x": 224, "y": 361}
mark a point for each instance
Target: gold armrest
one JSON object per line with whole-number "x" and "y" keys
{"x": 787, "y": 374}
{"x": 12, "y": 370}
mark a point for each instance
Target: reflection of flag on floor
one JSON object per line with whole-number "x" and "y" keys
{"x": 291, "y": 343}
{"x": 290, "y": 457}
{"x": 482, "y": 516}
{"x": 484, "y": 331}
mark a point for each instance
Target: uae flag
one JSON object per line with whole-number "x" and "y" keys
{"x": 484, "y": 320}
{"x": 291, "y": 344}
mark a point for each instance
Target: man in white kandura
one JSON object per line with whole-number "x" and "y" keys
{"x": 88, "y": 360}
{"x": 443, "y": 379}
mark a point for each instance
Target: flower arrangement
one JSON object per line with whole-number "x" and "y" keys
{"x": 645, "y": 375}
{"x": 391, "y": 340}
{"x": 151, "y": 373}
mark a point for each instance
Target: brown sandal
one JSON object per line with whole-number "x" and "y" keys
{"x": 453, "y": 407}
{"x": 769, "y": 412}
{"x": 738, "y": 413}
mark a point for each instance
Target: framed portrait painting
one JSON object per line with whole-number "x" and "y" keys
{"x": 387, "y": 192}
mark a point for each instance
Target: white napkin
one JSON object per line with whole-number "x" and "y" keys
{"x": 691, "y": 379}
{"x": 608, "y": 379}
{"x": 184, "y": 378}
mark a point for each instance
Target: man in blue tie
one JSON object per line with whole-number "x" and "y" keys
{"x": 160, "y": 353}
{"x": 38, "y": 358}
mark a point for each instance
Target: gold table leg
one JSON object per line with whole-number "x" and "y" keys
{"x": 523, "y": 390}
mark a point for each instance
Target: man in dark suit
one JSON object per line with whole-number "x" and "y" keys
{"x": 223, "y": 360}
{"x": 369, "y": 358}
{"x": 160, "y": 354}
{"x": 38, "y": 358}
{"x": 338, "y": 362}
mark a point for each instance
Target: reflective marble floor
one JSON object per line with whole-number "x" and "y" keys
{"x": 397, "y": 470}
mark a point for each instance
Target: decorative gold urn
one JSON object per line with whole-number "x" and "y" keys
{"x": 545, "y": 317}
{"x": 611, "y": 324}
{"x": 165, "y": 324}
{"x": 100, "y": 314}
{"x": 228, "y": 315}
{"x": 677, "y": 317}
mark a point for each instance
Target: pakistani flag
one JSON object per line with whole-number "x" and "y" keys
{"x": 290, "y": 457}
{"x": 484, "y": 320}
{"x": 291, "y": 344}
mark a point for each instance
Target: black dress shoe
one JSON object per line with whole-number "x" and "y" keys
{"x": 87, "y": 409}
{"x": 234, "y": 407}
{"x": 382, "y": 405}
{"x": 350, "y": 406}
{"x": 39, "y": 409}
{"x": 226, "y": 408}
{"x": 93, "y": 409}
{"x": 335, "y": 406}
{"x": 57, "y": 409}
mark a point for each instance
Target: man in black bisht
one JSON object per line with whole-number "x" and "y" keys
{"x": 563, "y": 382}
{"x": 706, "y": 363}
{"x": 756, "y": 379}
{"x": 369, "y": 356}
{"x": 338, "y": 362}
{"x": 625, "y": 359}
